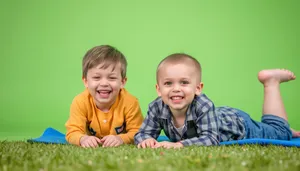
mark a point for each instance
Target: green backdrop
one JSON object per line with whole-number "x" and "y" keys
{"x": 42, "y": 44}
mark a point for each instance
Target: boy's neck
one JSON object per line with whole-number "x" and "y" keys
{"x": 179, "y": 113}
{"x": 179, "y": 119}
{"x": 179, "y": 116}
{"x": 105, "y": 107}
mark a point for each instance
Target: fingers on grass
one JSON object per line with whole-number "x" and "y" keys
{"x": 103, "y": 140}
{"x": 98, "y": 140}
{"x": 152, "y": 143}
{"x": 90, "y": 144}
{"x": 94, "y": 142}
{"x": 144, "y": 144}
{"x": 157, "y": 145}
{"x": 109, "y": 142}
{"x": 147, "y": 144}
{"x": 85, "y": 144}
{"x": 114, "y": 144}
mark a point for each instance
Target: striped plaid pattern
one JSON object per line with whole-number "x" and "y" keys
{"x": 204, "y": 125}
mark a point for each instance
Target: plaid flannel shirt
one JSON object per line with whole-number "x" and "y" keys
{"x": 204, "y": 124}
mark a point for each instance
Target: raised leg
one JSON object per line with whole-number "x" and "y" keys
{"x": 271, "y": 80}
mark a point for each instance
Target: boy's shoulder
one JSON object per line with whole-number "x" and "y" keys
{"x": 158, "y": 105}
{"x": 202, "y": 102}
{"x": 157, "y": 101}
{"x": 127, "y": 97}
{"x": 83, "y": 101}
{"x": 83, "y": 97}
{"x": 202, "y": 99}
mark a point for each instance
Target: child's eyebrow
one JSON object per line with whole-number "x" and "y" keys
{"x": 167, "y": 79}
{"x": 96, "y": 73}
{"x": 113, "y": 72}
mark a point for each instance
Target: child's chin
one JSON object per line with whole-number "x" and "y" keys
{"x": 104, "y": 100}
{"x": 177, "y": 107}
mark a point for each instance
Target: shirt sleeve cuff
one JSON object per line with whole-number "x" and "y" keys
{"x": 126, "y": 139}
{"x": 75, "y": 139}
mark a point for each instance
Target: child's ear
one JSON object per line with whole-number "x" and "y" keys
{"x": 157, "y": 90}
{"x": 199, "y": 88}
{"x": 84, "y": 80}
{"x": 123, "y": 82}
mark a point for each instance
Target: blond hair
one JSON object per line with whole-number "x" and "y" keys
{"x": 179, "y": 58}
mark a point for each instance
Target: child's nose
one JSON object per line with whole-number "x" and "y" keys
{"x": 103, "y": 82}
{"x": 176, "y": 87}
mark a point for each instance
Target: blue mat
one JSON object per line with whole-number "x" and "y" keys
{"x": 52, "y": 136}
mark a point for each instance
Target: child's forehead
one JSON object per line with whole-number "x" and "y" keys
{"x": 109, "y": 66}
{"x": 177, "y": 65}
{"x": 177, "y": 71}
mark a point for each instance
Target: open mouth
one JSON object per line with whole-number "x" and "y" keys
{"x": 176, "y": 99}
{"x": 104, "y": 93}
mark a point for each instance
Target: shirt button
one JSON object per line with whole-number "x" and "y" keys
{"x": 104, "y": 120}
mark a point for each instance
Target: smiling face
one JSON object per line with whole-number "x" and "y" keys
{"x": 177, "y": 84}
{"x": 104, "y": 84}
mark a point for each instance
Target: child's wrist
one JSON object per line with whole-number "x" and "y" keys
{"x": 120, "y": 138}
{"x": 82, "y": 138}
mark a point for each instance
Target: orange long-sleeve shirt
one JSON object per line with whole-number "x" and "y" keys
{"x": 124, "y": 118}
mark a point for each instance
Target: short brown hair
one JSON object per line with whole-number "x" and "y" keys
{"x": 105, "y": 54}
{"x": 180, "y": 58}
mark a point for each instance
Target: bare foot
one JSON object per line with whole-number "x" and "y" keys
{"x": 296, "y": 134}
{"x": 275, "y": 76}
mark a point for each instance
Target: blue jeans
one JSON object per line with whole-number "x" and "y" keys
{"x": 270, "y": 127}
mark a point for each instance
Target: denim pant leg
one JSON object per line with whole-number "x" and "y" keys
{"x": 271, "y": 127}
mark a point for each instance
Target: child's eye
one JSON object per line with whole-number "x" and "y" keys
{"x": 113, "y": 78}
{"x": 96, "y": 78}
{"x": 168, "y": 83}
{"x": 184, "y": 82}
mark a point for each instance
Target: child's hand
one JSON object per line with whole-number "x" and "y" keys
{"x": 168, "y": 145}
{"x": 111, "y": 141}
{"x": 151, "y": 142}
{"x": 89, "y": 141}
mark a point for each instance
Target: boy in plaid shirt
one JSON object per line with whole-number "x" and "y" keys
{"x": 189, "y": 117}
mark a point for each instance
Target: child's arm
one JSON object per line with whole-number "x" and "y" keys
{"x": 133, "y": 119}
{"x": 76, "y": 124}
{"x": 207, "y": 128}
{"x": 150, "y": 128}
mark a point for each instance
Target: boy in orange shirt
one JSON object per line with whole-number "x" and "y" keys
{"x": 105, "y": 113}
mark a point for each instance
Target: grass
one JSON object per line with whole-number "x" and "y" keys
{"x": 18, "y": 155}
